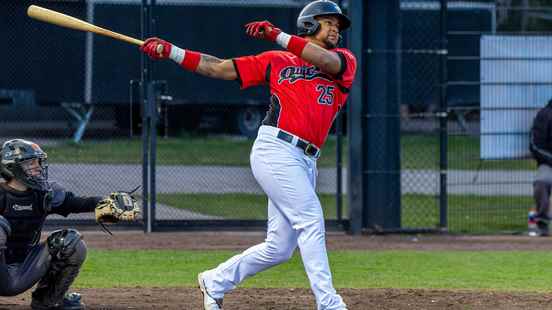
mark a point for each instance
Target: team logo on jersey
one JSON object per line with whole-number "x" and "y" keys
{"x": 293, "y": 74}
{"x": 17, "y": 207}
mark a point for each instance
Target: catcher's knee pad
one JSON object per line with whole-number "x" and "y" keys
{"x": 66, "y": 243}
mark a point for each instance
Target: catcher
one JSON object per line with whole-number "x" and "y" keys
{"x": 26, "y": 199}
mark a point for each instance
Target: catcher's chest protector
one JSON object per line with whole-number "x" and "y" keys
{"x": 26, "y": 215}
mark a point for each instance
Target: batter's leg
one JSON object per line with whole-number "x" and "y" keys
{"x": 277, "y": 248}
{"x": 288, "y": 181}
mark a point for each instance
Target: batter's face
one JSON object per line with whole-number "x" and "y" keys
{"x": 328, "y": 34}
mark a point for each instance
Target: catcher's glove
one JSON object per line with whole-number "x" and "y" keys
{"x": 119, "y": 206}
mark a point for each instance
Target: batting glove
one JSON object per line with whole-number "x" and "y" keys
{"x": 156, "y": 48}
{"x": 262, "y": 30}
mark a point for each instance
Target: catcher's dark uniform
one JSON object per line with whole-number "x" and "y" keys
{"x": 24, "y": 260}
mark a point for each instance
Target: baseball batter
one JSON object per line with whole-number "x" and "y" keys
{"x": 309, "y": 83}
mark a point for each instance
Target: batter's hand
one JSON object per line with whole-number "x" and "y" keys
{"x": 263, "y": 30}
{"x": 156, "y": 48}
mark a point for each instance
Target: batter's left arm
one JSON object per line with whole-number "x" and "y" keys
{"x": 327, "y": 61}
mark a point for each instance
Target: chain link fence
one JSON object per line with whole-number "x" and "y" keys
{"x": 78, "y": 95}
{"x": 420, "y": 51}
{"x": 47, "y": 96}
{"x": 496, "y": 85}
{"x": 492, "y": 94}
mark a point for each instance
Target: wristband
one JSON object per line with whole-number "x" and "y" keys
{"x": 296, "y": 45}
{"x": 191, "y": 61}
{"x": 187, "y": 59}
{"x": 283, "y": 39}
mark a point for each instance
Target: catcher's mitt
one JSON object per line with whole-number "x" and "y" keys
{"x": 119, "y": 206}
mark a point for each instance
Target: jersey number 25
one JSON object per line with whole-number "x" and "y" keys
{"x": 326, "y": 96}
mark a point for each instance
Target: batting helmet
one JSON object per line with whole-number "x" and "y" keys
{"x": 15, "y": 159}
{"x": 307, "y": 23}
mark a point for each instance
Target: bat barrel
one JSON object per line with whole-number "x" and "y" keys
{"x": 56, "y": 18}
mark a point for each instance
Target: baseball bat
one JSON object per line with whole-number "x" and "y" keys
{"x": 56, "y": 18}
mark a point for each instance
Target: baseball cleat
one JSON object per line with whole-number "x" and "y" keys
{"x": 71, "y": 301}
{"x": 209, "y": 303}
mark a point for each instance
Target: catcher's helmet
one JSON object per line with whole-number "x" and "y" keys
{"x": 307, "y": 23}
{"x": 15, "y": 163}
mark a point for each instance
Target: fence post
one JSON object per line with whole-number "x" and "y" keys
{"x": 381, "y": 172}
{"x": 146, "y": 117}
{"x": 443, "y": 133}
{"x": 354, "y": 121}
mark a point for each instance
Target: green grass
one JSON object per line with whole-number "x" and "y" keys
{"x": 418, "y": 152}
{"x": 189, "y": 150}
{"x": 233, "y": 206}
{"x": 186, "y": 151}
{"x": 422, "y": 152}
{"x": 467, "y": 213}
{"x": 492, "y": 270}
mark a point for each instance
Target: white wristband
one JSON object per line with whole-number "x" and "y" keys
{"x": 177, "y": 54}
{"x": 283, "y": 39}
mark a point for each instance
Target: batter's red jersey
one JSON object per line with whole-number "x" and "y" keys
{"x": 304, "y": 100}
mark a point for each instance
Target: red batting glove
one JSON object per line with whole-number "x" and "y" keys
{"x": 262, "y": 30}
{"x": 156, "y": 48}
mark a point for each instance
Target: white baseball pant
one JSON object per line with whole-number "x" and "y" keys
{"x": 295, "y": 218}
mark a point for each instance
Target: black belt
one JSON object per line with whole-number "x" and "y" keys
{"x": 307, "y": 147}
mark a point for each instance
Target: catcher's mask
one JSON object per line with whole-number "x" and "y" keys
{"x": 26, "y": 162}
{"x": 307, "y": 24}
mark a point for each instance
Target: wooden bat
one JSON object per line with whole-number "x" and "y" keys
{"x": 56, "y": 18}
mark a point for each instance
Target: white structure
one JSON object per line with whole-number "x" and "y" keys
{"x": 516, "y": 80}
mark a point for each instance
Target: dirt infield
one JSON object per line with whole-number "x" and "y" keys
{"x": 247, "y": 298}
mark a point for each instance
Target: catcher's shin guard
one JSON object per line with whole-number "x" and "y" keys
{"x": 51, "y": 290}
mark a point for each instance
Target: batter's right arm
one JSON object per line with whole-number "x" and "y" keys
{"x": 203, "y": 64}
